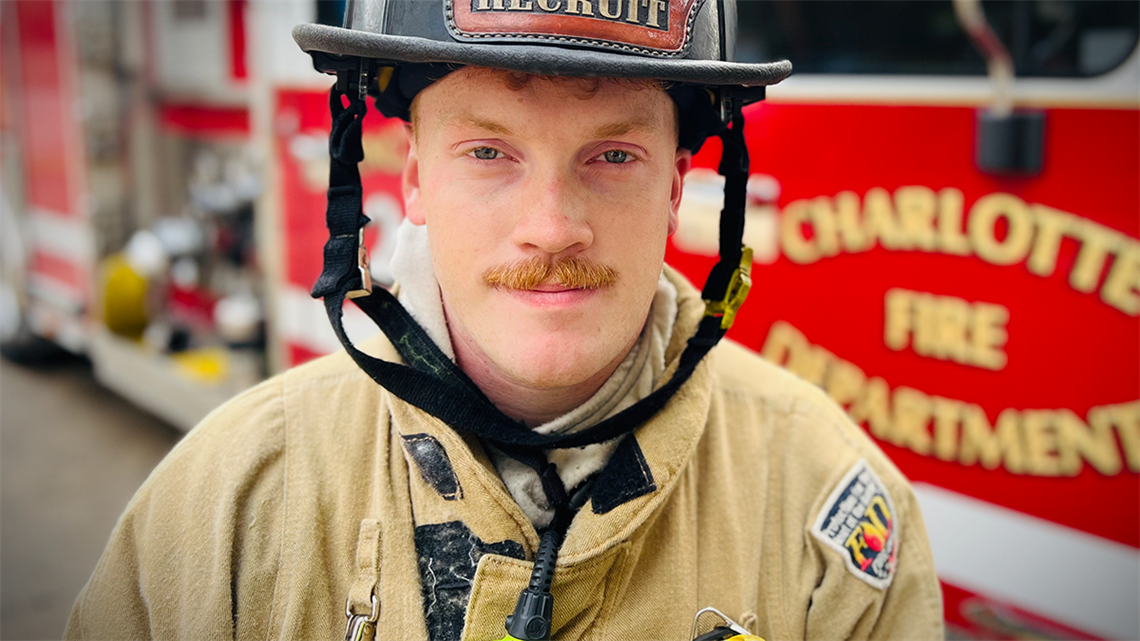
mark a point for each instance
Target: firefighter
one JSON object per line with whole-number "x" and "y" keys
{"x": 550, "y": 438}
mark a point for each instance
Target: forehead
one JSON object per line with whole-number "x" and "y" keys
{"x": 475, "y": 93}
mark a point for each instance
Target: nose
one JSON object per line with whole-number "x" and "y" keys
{"x": 554, "y": 216}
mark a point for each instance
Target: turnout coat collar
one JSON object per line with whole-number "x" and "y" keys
{"x": 635, "y": 483}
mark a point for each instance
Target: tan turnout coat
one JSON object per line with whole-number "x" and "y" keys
{"x": 301, "y": 493}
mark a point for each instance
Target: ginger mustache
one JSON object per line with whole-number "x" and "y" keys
{"x": 572, "y": 272}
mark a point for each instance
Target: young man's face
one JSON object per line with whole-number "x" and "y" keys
{"x": 550, "y": 172}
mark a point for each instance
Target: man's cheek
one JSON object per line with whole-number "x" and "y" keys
{"x": 638, "y": 219}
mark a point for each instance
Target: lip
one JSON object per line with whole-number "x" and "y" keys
{"x": 552, "y": 296}
{"x": 551, "y": 288}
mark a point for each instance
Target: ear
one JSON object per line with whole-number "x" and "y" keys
{"x": 681, "y": 166}
{"x": 410, "y": 181}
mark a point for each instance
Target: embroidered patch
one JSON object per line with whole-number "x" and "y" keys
{"x": 649, "y": 27}
{"x": 859, "y": 522}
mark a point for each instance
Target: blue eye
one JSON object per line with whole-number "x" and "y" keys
{"x": 486, "y": 153}
{"x": 616, "y": 156}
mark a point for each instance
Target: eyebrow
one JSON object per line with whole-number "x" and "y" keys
{"x": 611, "y": 130}
{"x": 468, "y": 120}
{"x": 618, "y": 129}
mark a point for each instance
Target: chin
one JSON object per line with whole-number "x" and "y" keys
{"x": 553, "y": 361}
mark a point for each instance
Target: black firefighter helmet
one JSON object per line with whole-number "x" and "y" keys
{"x": 681, "y": 41}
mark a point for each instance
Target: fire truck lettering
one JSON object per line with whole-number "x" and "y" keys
{"x": 521, "y": 5}
{"x": 947, "y": 415}
{"x": 1092, "y": 442}
{"x": 874, "y": 407}
{"x": 546, "y": 6}
{"x": 917, "y": 209}
{"x": 824, "y": 227}
{"x": 604, "y": 5}
{"x": 1051, "y": 442}
{"x": 786, "y": 343}
{"x": 1125, "y": 418}
{"x": 911, "y": 418}
{"x": 880, "y": 222}
{"x": 946, "y": 328}
{"x": 989, "y": 335}
{"x": 796, "y": 246}
{"x": 940, "y": 326}
{"x": 982, "y": 229}
{"x": 896, "y": 331}
{"x": 1040, "y": 428}
{"x": 843, "y": 381}
{"x": 1122, "y": 286}
{"x": 782, "y": 339}
{"x": 992, "y": 446}
{"x": 847, "y": 216}
{"x": 1001, "y": 229}
{"x": 1051, "y": 228}
{"x": 951, "y": 240}
{"x": 1095, "y": 245}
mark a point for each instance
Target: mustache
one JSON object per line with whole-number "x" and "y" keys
{"x": 573, "y": 272}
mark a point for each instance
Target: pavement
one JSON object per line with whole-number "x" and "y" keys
{"x": 71, "y": 456}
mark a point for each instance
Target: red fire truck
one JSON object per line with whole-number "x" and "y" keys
{"x": 966, "y": 283}
{"x": 944, "y": 209}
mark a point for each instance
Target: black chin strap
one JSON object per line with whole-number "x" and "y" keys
{"x": 430, "y": 380}
{"x": 734, "y": 168}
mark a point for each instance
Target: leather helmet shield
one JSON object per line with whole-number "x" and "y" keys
{"x": 648, "y": 27}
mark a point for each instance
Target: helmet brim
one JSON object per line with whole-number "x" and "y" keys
{"x": 548, "y": 60}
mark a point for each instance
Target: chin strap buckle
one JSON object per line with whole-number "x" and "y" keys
{"x": 365, "y": 271}
{"x": 353, "y": 74}
{"x": 735, "y": 293}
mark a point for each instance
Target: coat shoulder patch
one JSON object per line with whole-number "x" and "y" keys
{"x": 859, "y": 521}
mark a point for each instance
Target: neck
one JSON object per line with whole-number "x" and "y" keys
{"x": 534, "y": 405}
